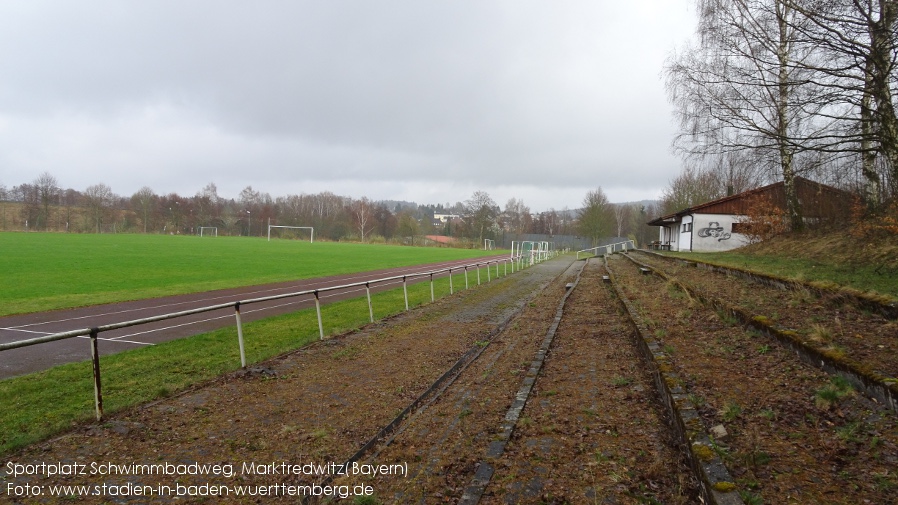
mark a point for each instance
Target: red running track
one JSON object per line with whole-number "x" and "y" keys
{"x": 46, "y": 355}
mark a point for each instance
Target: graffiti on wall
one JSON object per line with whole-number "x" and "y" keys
{"x": 714, "y": 230}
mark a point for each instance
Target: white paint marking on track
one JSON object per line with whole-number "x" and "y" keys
{"x": 18, "y": 328}
{"x": 115, "y": 340}
{"x": 262, "y": 309}
{"x": 170, "y": 327}
{"x": 206, "y": 300}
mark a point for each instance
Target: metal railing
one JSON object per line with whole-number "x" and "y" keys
{"x": 93, "y": 332}
{"x": 609, "y": 248}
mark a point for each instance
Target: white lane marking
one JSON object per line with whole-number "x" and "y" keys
{"x": 261, "y": 309}
{"x": 114, "y": 340}
{"x": 203, "y": 301}
{"x": 17, "y": 328}
{"x": 79, "y": 336}
{"x": 169, "y": 327}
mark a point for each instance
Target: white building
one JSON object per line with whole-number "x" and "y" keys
{"x": 717, "y": 225}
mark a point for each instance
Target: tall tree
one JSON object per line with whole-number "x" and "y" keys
{"x": 741, "y": 88}
{"x": 622, "y": 216}
{"x": 249, "y": 199}
{"x": 385, "y": 221}
{"x": 408, "y": 225}
{"x": 854, "y": 43}
{"x": 481, "y": 212}
{"x": 517, "y": 216}
{"x": 47, "y": 193}
{"x": 690, "y": 187}
{"x": 207, "y": 205}
{"x": 362, "y": 212}
{"x": 143, "y": 201}
{"x": 595, "y": 216}
{"x": 98, "y": 199}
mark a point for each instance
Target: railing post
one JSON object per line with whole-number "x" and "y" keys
{"x": 505, "y": 267}
{"x": 432, "y": 299}
{"x": 497, "y": 269}
{"x": 489, "y": 275}
{"x": 318, "y": 311}
{"x": 405, "y": 292}
{"x": 451, "y": 291}
{"x": 370, "y": 307}
{"x": 466, "y": 276}
{"x": 95, "y": 357}
{"x": 478, "y": 274}
{"x": 240, "y": 335}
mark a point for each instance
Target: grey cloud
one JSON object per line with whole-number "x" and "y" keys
{"x": 393, "y": 91}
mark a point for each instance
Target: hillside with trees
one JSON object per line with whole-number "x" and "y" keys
{"x": 42, "y": 205}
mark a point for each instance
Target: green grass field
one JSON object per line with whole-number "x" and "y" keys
{"x": 46, "y": 271}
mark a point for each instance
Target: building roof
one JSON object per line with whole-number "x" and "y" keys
{"x": 817, "y": 200}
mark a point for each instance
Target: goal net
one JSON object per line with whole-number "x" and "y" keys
{"x": 208, "y": 231}
{"x": 291, "y": 232}
{"x": 489, "y": 244}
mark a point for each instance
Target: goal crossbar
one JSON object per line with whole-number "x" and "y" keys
{"x": 312, "y": 229}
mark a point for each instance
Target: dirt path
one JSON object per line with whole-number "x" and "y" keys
{"x": 594, "y": 430}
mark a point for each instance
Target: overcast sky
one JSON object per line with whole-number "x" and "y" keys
{"x": 422, "y": 100}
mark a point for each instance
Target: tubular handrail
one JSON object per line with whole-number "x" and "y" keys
{"x": 93, "y": 332}
{"x": 173, "y": 315}
{"x": 608, "y": 247}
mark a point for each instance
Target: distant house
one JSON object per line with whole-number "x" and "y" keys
{"x": 440, "y": 239}
{"x": 717, "y": 225}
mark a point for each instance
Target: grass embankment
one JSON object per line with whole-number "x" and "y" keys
{"x": 869, "y": 266}
{"x": 40, "y": 405}
{"x": 47, "y": 271}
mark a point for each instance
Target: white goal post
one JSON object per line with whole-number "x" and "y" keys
{"x": 489, "y": 244}
{"x": 312, "y": 229}
{"x": 213, "y": 230}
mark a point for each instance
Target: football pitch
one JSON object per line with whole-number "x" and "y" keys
{"x": 47, "y": 271}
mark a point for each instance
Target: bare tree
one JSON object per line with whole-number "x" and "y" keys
{"x": 98, "y": 199}
{"x": 363, "y": 216}
{"x": 516, "y": 215}
{"x": 622, "y": 214}
{"x": 645, "y": 233}
{"x": 207, "y": 204}
{"x": 551, "y": 221}
{"x": 481, "y": 212}
{"x": 143, "y": 201}
{"x": 385, "y": 221}
{"x": 47, "y": 188}
{"x": 31, "y": 204}
{"x": 690, "y": 187}
{"x": 741, "y": 89}
{"x": 249, "y": 199}
{"x": 408, "y": 225}
{"x": 855, "y": 44}
{"x": 595, "y": 216}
